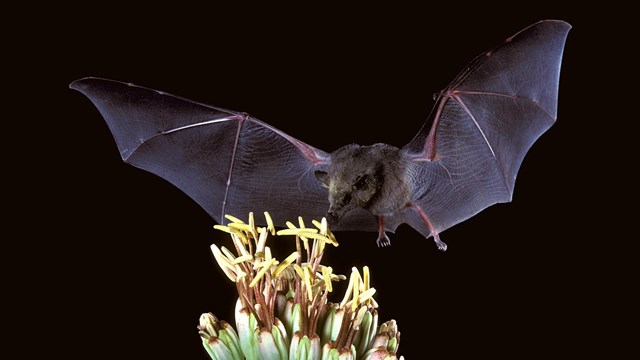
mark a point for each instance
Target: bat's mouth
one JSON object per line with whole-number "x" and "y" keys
{"x": 337, "y": 212}
{"x": 333, "y": 218}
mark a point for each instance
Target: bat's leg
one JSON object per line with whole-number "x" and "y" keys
{"x": 383, "y": 239}
{"x": 441, "y": 245}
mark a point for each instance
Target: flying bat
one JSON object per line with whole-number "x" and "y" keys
{"x": 464, "y": 158}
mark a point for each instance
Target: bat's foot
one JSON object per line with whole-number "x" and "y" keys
{"x": 439, "y": 243}
{"x": 383, "y": 240}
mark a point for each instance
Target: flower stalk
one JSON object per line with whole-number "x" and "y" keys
{"x": 282, "y": 311}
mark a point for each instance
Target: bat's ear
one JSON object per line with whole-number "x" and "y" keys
{"x": 323, "y": 176}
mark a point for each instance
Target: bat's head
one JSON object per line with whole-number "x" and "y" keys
{"x": 354, "y": 178}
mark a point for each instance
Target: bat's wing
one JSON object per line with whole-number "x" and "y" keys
{"x": 468, "y": 154}
{"x": 228, "y": 162}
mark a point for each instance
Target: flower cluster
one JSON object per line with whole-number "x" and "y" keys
{"x": 282, "y": 311}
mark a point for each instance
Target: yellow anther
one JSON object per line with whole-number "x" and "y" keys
{"x": 270, "y": 226}
{"x": 307, "y": 281}
{"x": 296, "y": 231}
{"x": 326, "y": 276}
{"x": 243, "y": 227}
{"x": 241, "y": 259}
{"x": 233, "y": 219}
{"x": 266, "y": 266}
{"x": 288, "y": 261}
{"x": 252, "y": 226}
{"x": 366, "y": 295}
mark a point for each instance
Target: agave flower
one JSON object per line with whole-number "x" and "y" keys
{"x": 283, "y": 312}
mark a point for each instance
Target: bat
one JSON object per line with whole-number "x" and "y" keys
{"x": 463, "y": 159}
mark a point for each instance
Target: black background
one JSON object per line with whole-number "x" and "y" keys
{"x": 116, "y": 261}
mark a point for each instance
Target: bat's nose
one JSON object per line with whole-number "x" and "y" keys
{"x": 337, "y": 211}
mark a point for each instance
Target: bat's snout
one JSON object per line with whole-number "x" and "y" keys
{"x": 333, "y": 218}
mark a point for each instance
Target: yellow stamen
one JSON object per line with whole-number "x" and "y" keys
{"x": 262, "y": 240}
{"x": 286, "y": 273}
{"x": 270, "y": 226}
{"x": 296, "y": 231}
{"x": 232, "y": 231}
{"x": 233, "y": 219}
{"x": 261, "y": 264}
{"x": 266, "y": 266}
{"x": 220, "y": 258}
{"x": 241, "y": 259}
{"x": 365, "y": 270}
{"x": 313, "y": 235}
{"x": 373, "y": 302}
{"x": 324, "y": 230}
{"x": 335, "y": 277}
{"x": 307, "y": 281}
{"x": 240, "y": 274}
{"x": 366, "y": 295}
{"x": 224, "y": 263}
{"x": 298, "y": 270}
{"x": 326, "y": 275}
{"x": 252, "y": 226}
{"x": 227, "y": 253}
{"x": 347, "y": 293}
{"x": 334, "y": 241}
{"x": 288, "y": 261}
{"x": 243, "y": 227}
{"x": 356, "y": 288}
{"x": 240, "y": 242}
{"x": 222, "y": 228}
{"x": 321, "y": 225}
{"x": 320, "y": 247}
{"x": 240, "y": 237}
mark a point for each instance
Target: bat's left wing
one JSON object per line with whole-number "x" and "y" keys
{"x": 228, "y": 162}
{"x": 467, "y": 156}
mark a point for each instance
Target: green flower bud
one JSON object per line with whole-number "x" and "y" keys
{"x": 367, "y": 332}
{"x": 305, "y": 348}
{"x": 386, "y": 342}
{"x": 246, "y": 324}
{"x": 218, "y": 338}
{"x": 332, "y": 323}
{"x": 271, "y": 345}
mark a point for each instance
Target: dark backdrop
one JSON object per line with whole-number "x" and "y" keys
{"x": 118, "y": 262}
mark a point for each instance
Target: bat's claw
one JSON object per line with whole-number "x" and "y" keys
{"x": 383, "y": 240}
{"x": 439, "y": 243}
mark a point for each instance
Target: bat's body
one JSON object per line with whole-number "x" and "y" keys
{"x": 464, "y": 159}
{"x": 376, "y": 178}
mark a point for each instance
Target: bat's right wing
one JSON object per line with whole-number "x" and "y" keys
{"x": 228, "y": 162}
{"x": 468, "y": 155}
